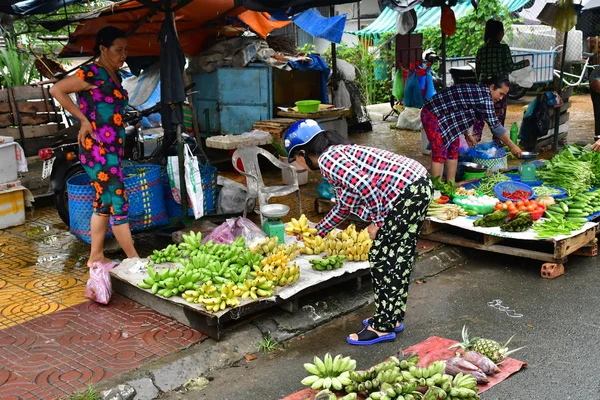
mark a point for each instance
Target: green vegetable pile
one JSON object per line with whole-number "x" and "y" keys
{"x": 491, "y": 220}
{"x": 563, "y": 167}
{"x": 539, "y": 191}
{"x": 593, "y": 157}
{"x": 446, "y": 188}
{"x": 568, "y": 215}
{"x": 487, "y": 184}
{"x": 520, "y": 223}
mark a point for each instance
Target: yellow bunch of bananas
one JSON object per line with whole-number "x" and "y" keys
{"x": 300, "y": 227}
{"x": 229, "y": 297}
{"x": 314, "y": 245}
{"x": 260, "y": 287}
{"x": 271, "y": 246}
{"x": 206, "y": 291}
{"x": 276, "y": 260}
{"x": 354, "y": 245}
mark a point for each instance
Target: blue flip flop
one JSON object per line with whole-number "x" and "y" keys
{"x": 397, "y": 329}
{"x": 367, "y": 337}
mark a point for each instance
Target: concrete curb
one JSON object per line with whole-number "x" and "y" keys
{"x": 174, "y": 371}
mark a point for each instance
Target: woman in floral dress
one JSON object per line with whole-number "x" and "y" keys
{"x": 102, "y": 102}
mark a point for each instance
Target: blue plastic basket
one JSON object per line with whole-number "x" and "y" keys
{"x": 511, "y": 186}
{"x": 560, "y": 195}
{"x": 208, "y": 173}
{"x": 144, "y": 191}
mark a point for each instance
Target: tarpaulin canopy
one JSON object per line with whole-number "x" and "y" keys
{"x": 295, "y": 5}
{"x": 34, "y": 7}
{"x": 426, "y": 17}
{"x": 195, "y": 23}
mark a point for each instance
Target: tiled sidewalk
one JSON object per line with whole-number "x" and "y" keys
{"x": 53, "y": 341}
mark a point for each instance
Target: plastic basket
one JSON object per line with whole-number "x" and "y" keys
{"x": 494, "y": 164}
{"x": 562, "y": 193}
{"x": 145, "y": 194}
{"x": 511, "y": 186}
{"x": 535, "y": 215}
{"x": 482, "y": 210}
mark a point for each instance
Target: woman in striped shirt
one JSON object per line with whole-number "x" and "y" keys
{"x": 390, "y": 191}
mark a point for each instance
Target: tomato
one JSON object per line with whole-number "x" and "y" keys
{"x": 526, "y": 203}
{"x": 512, "y": 209}
{"x": 509, "y": 202}
{"x": 519, "y": 204}
{"x": 504, "y": 206}
{"x": 531, "y": 208}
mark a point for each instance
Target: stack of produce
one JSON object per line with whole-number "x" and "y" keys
{"x": 461, "y": 191}
{"x": 489, "y": 348}
{"x": 446, "y": 212}
{"x": 577, "y": 208}
{"x": 354, "y": 245}
{"x": 270, "y": 246}
{"x": 494, "y": 219}
{"x": 300, "y": 227}
{"x": 314, "y": 245}
{"x": 520, "y": 223}
{"x": 329, "y": 372}
{"x": 327, "y": 263}
{"x": 566, "y": 171}
{"x": 445, "y": 188}
{"x": 219, "y": 276}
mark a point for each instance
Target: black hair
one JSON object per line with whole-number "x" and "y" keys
{"x": 497, "y": 83}
{"x": 320, "y": 142}
{"x": 107, "y": 36}
{"x": 493, "y": 28}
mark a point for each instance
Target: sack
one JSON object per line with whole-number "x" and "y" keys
{"x": 99, "y": 287}
{"x": 448, "y": 21}
{"x": 412, "y": 91}
{"x": 523, "y": 77}
{"x": 398, "y": 89}
{"x": 406, "y": 22}
{"x": 409, "y": 119}
{"x": 193, "y": 181}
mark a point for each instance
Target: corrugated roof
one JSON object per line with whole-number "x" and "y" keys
{"x": 426, "y": 17}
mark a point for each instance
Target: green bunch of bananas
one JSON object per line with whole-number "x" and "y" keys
{"x": 170, "y": 282}
{"x": 327, "y": 263}
{"x": 191, "y": 245}
{"x": 169, "y": 254}
{"x": 329, "y": 372}
{"x": 399, "y": 391}
{"x": 260, "y": 287}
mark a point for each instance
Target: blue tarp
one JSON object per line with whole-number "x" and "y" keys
{"x": 317, "y": 64}
{"x": 317, "y": 25}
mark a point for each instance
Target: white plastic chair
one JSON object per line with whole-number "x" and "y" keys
{"x": 254, "y": 180}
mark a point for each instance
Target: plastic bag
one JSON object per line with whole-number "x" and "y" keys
{"x": 99, "y": 287}
{"x": 409, "y": 119}
{"x": 406, "y": 22}
{"x": 430, "y": 86}
{"x": 233, "y": 228}
{"x": 412, "y": 91}
{"x": 487, "y": 151}
{"x": 535, "y": 124}
{"x": 193, "y": 181}
{"x": 398, "y": 89}
{"x": 325, "y": 190}
{"x": 341, "y": 98}
{"x": 523, "y": 77}
{"x": 448, "y": 21}
{"x": 232, "y": 196}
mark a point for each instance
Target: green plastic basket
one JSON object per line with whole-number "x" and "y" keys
{"x": 494, "y": 164}
{"x": 308, "y": 106}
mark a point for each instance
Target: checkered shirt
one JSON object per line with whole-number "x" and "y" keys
{"x": 494, "y": 60}
{"x": 459, "y": 106}
{"x": 366, "y": 182}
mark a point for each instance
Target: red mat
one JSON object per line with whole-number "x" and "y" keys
{"x": 430, "y": 350}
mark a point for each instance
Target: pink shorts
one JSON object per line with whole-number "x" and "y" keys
{"x": 439, "y": 152}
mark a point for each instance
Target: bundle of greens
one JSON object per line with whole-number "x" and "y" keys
{"x": 445, "y": 188}
{"x": 563, "y": 167}
{"x": 593, "y": 157}
{"x": 487, "y": 184}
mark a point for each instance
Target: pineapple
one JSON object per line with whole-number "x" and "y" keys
{"x": 487, "y": 347}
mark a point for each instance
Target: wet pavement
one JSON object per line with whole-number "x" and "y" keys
{"x": 54, "y": 341}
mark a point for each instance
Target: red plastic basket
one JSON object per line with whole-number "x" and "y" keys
{"x": 537, "y": 214}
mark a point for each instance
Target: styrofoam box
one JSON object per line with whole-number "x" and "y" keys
{"x": 8, "y": 164}
{"x": 12, "y": 209}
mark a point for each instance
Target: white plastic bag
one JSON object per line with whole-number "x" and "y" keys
{"x": 523, "y": 77}
{"x": 193, "y": 181}
{"x": 99, "y": 286}
{"x": 410, "y": 119}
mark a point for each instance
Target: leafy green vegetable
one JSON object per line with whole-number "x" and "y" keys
{"x": 445, "y": 188}
{"x": 563, "y": 167}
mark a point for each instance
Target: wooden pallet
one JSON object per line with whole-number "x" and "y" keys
{"x": 553, "y": 253}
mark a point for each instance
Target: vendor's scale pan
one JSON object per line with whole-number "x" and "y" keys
{"x": 474, "y": 167}
{"x": 528, "y": 155}
{"x": 274, "y": 210}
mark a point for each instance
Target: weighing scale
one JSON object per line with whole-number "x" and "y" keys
{"x": 473, "y": 170}
{"x": 527, "y": 168}
{"x": 273, "y": 226}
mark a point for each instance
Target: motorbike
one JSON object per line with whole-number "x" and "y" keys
{"x": 61, "y": 162}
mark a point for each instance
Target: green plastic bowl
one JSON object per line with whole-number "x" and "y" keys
{"x": 481, "y": 210}
{"x": 308, "y": 106}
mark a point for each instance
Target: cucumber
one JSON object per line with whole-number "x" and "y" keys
{"x": 556, "y": 209}
{"x": 574, "y": 219}
{"x": 564, "y": 207}
{"x": 471, "y": 213}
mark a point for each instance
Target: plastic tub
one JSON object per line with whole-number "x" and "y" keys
{"x": 308, "y": 106}
{"x": 537, "y": 214}
{"x": 482, "y": 210}
{"x": 473, "y": 175}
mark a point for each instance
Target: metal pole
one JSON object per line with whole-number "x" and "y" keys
{"x": 333, "y": 59}
{"x": 358, "y": 15}
{"x": 560, "y": 84}
{"x": 443, "y": 66}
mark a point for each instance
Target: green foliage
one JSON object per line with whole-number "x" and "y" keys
{"x": 16, "y": 67}
{"x": 469, "y": 30}
{"x": 267, "y": 345}
{"x": 365, "y": 59}
{"x": 87, "y": 394}
{"x": 308, "y": 48}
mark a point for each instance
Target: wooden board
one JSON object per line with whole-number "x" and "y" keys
{"x": 548, "y": 251}
{"x": 323, "y": 114}
{"x": 31, "y": 132}
{"x": 564, "y": 118}
{"x": 23, "y": 93}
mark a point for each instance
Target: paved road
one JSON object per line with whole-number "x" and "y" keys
{"x": 560, "y": 326}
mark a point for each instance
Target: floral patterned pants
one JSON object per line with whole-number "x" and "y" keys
{"x": 393, "y": 251}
